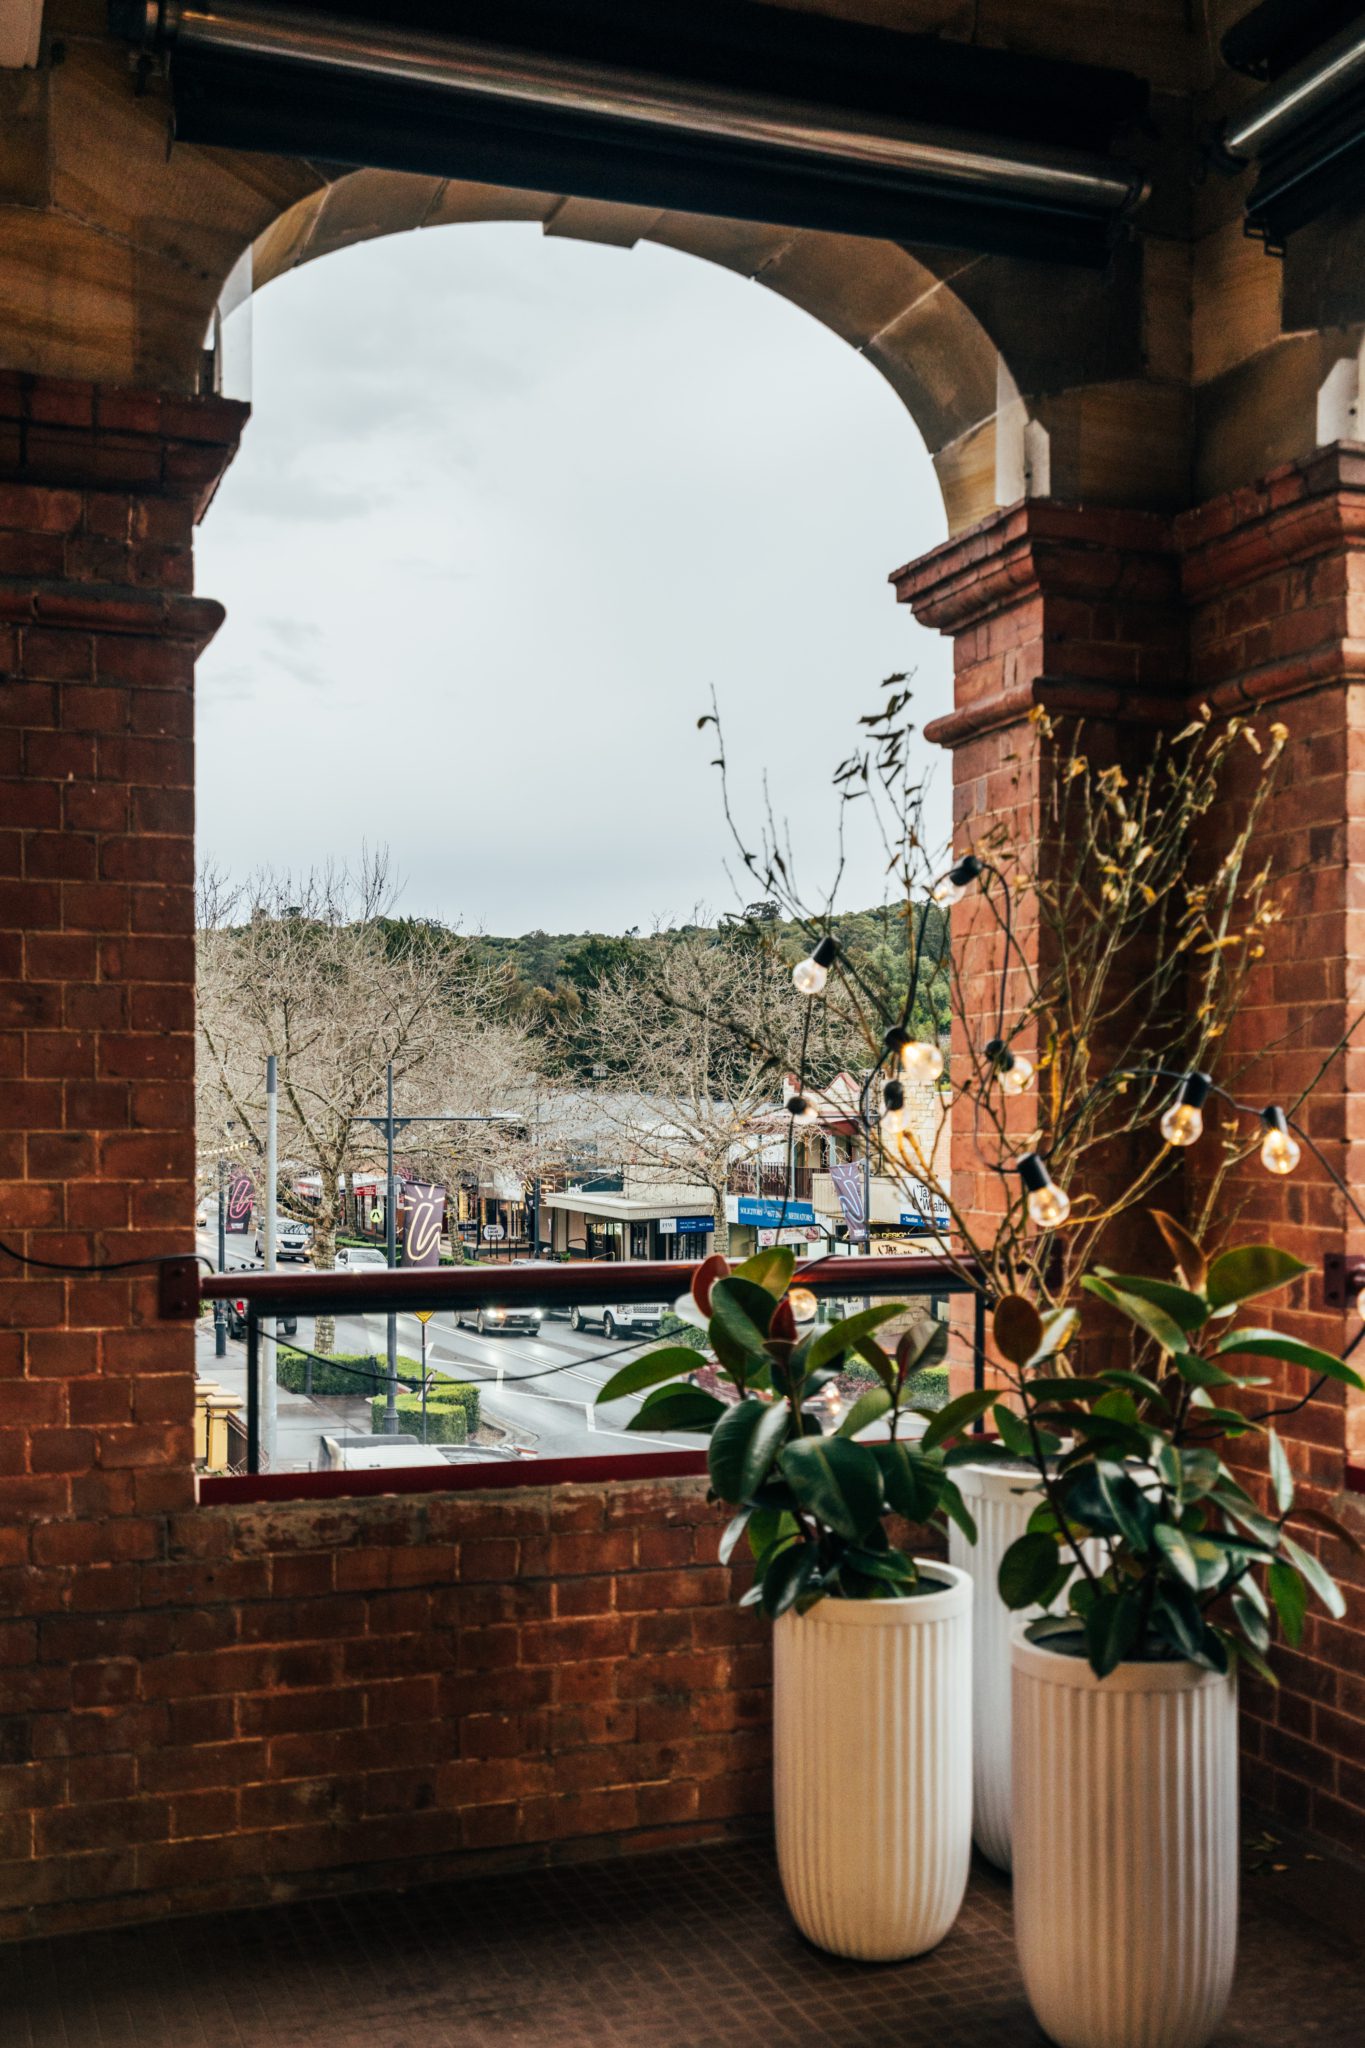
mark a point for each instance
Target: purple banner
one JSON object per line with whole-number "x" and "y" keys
{"x": 421, "y": 1211}
{"x": 240, "y": 1195}
{"x": 848, "y": 1186}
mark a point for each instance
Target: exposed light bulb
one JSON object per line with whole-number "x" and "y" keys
{"x": 955, "y": 884}
{"x": 1182, "y": 1124}
{"x": 893, "y": 1130}
{"x": 800, "y": 1110}
{"x": 809, "y": 976}
{"x": 802, "y": 1303}
{"x": 1018, "y": 1075}
{"x": 1280, "y": 1150}
{"x": 1047, "y": 1204}
{"x": 921, "y": 1062}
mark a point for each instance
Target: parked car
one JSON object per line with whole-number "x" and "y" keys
{"x": 496, "y": 1320}
{"x": 292, "y": 1240}
{"x": 620, "y": 1317}
{"x": 285, "y": 1326}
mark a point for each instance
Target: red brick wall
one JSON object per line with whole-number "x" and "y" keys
{"x": 302, "y": 1698}
{"x": 1253, "y": 601}
{"x": 206, "y": 1706}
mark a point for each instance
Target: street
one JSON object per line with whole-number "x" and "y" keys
{"x": 540, "y": 1388}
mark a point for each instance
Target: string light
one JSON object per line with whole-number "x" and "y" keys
{"x": 1014, "y": 1070}
{"x": 803, "y": 1304}
{"x": 921, "y": 1062}
{"x": 956, "y": 882}
{"x": 1280, "y": 1151}
{"x": 893, "y": 1117}
{"x": 1183, "y": 1122}
{"x": 1047, "y": 1204}
{"x": 809, "y": 976}
{"x": 800, "y": 1110}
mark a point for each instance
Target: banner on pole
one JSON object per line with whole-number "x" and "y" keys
{"x": 421, "y": 1206}
{"x": 848, "y": 1186}
{"x": 240, "y": 1195}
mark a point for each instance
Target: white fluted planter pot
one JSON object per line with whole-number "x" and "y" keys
{"x": 1000, "y": 1499}
{"x": 1125, "y": 1849}
{"x": 872, "y": 1767}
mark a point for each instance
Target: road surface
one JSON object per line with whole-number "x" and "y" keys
{"x": 541, "y": 1388}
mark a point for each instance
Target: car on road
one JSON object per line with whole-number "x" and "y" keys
{"x": 498, "y": 1319}
{"x": 285, "y": 1326}
{"x": 621, "y": 1319}
{"x": 352, "y": 1258}
{"x": 292, "y": 1240}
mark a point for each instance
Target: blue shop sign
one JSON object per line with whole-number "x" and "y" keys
{"x": 772, "y": 1215}
{"x": 693, "y": 1226}
{"x": 914, "y": 1219}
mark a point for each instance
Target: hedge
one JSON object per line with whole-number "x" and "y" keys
{"x": 360, "y": 1373}
{"x": 447, "y": 1421}
{"x": 343, "y": 1372}
{"x": 927, "y": 1389}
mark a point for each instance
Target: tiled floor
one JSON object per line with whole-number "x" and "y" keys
{"x": 689, "y": 1950}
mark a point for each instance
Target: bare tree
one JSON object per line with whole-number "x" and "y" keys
{"x": 690, "y": 1050}
{"x": 317, "y": 971}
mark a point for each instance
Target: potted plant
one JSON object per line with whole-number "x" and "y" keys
{"x": 872, "y": 1646}
{"x": 1160, "y": 1574}
{"x": 1149, "y": 916}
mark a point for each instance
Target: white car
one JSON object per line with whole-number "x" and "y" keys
{"x": 498, "y": 1318}
{"x": 623, "y": 1316}
{"x": 352, "y": 1257}
{"x": 292, "y": 1240}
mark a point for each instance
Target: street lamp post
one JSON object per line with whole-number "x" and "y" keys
{"x": 220, "y": 1307}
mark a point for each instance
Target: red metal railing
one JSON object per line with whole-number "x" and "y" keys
{"x": 470, "y": 1287}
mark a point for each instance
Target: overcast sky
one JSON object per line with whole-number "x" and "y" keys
{"x": 508, "y": 509}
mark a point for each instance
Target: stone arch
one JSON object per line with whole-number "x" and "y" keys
{"x": 890, "y": 305}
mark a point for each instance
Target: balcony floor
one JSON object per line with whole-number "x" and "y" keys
{"x": 687, "y": 1949}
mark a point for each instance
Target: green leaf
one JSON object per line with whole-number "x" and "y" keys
{"x": 1112, "y": 1628}
{"x": 1059, "y": 1326}
{"x": 789, "y": 1573}
{"x": 1320, "y": 1580}
{"x": 979, "y": 1450}
{"x": 1177, "y": 1620}
{"x": 669, "y": 1364}
{"x": 1014, "y": 1431}
{"x": 892, "y": 1565}
{"x": 771, "y": 1270}
{"x": 1189, "y": 1311}
{"x": 683, "y": 1408}
{"x": 1251, "y": 1269}
{"x": 956, "y": 1509}
{"x": 1250, "y": 1620}
{"x": 1145, "y": 1314}
{"x": 734, "y": 1529}
{"x": 1281, "y": 1478}
{"x": 1318, "y": 1518}
{"x": 1135, "y": 1382}
{"x": 1252, "y": 1657}
{"x": 869, "y": 1407}
{"x": 740, "y": 1316}
{"x": 1133, "y": 1513}
{"x": 1027, "y": 1569}
{"x": 914, "y": 1483}
{"x": 838, "y": 1482}
{"x": 770, "y": 1529}
{"x": 955, "y": 1417}
{"x": 1175, "y": 1549}
{"x": 1185, "y": 1250}
{"x": 1290, "y": 1596}
{"x": 1202, "y": 1372}
{"x": 1274, "y": 1344}
{"x": 743, "y": 1445}
{"x": 838, "y": 1338}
